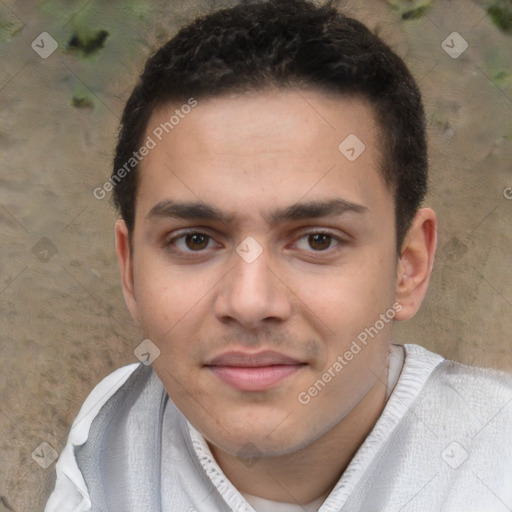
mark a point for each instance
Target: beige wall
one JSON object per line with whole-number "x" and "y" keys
{"x": 64, "y": 323}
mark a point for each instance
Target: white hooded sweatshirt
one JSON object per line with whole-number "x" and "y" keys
{"x": 442, "y": 443}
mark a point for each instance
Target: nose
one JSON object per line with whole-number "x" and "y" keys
{"x": 252, "y": 293}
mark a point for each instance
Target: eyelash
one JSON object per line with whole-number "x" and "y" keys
{"x": 171, "y": 241}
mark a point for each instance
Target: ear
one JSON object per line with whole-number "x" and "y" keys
{"x": 124, "y": 258}
{"x": 416, "y": 262}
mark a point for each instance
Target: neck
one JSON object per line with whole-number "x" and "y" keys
{"x": 292, "y": 478}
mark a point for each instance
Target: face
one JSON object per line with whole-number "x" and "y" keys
{"x": 260, "y": 253}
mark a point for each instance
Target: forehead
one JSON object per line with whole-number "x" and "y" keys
{"x": 301, "y": 118}
{"x": 272, "y": 145}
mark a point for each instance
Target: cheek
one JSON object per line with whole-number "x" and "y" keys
{"x": 350, "y": 296}
{"x": 166, "y": 295}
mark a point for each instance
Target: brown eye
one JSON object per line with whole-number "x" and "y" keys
{"x": 319, "y": 241}
{"x": 196, "y": 241}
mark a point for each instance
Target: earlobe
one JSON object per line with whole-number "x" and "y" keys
{"x": 125, "y": 261}
{"x": 416, "y": 263}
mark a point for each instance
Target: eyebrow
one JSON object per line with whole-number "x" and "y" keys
{"x": 202, "y": 211}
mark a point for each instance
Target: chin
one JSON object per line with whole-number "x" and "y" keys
{"x": 257, "y": 446}
{"x": 257, "y": 439}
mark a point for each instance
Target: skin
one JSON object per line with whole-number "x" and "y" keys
{"x": 248, "y": 155}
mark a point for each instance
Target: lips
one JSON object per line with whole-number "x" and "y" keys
{"x": 253, "y": 372}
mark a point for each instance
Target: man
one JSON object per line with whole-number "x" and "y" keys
{"x": 269, "y": 173}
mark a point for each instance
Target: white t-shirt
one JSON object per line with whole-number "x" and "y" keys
{"x": 263, "y": 505}
{"x": 443, "y": 443}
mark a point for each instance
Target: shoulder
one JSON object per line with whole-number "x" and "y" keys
{"x": 70, "y": 492}
{"x": 469, "y": 380}
{"x": 462, "y": 398}
{"x": 477, "y": 385}
{"x": 482, "y": 398}
{"x": 96, "y": 399}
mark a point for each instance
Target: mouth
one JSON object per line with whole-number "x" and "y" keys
{"x": 253, "y": 372}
